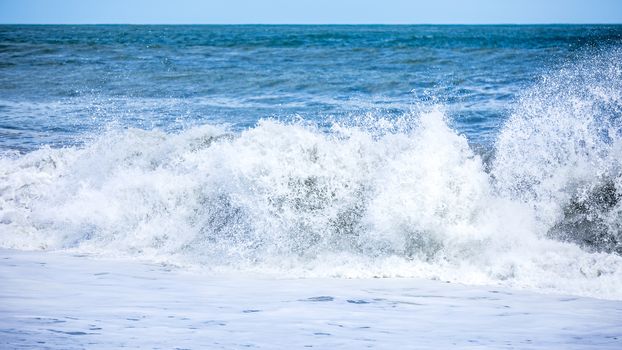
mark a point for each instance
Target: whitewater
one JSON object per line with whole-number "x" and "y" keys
{"x": 370, "y": 198}
{"x": 372, "y": 230}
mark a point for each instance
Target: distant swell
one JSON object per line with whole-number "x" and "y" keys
{"x": 387, "y": 198}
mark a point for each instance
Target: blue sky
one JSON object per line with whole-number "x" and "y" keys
{"x": 310, "y": 11}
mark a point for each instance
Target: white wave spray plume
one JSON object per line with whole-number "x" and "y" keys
{"x": 293, "y": 200}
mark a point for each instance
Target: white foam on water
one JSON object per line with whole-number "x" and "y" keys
{"x": 405, "y": 198}
{"x": 56, "y": 300}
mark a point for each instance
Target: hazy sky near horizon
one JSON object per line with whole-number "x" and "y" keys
{"x": 310, "y": 11}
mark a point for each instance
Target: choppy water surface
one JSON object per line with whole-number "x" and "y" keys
{"x": 477, "y": 154}
{"x": 57, "y": 82}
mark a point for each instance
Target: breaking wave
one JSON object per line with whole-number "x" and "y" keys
{"x": 405, "y": 197}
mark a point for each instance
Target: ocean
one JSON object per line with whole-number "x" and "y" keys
{"x": 356, "y": 163}
{"x": 61, "y": 84}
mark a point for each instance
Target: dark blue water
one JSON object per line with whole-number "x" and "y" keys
{"x": 60, "y": 83}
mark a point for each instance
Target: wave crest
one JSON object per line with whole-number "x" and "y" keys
{"x": 350, "y": 202}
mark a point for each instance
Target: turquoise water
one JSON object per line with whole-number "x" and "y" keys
{"x": 60, "y": 83}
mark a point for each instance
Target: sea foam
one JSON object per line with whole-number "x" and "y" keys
{"x": 386, "y": 198}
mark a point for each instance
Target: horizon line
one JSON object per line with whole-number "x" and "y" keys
{"x": 319, "y": 24}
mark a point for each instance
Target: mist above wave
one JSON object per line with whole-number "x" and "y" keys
{"x": 561, "y": 152}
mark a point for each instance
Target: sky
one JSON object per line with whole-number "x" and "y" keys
{"x": 310, "y": 11}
